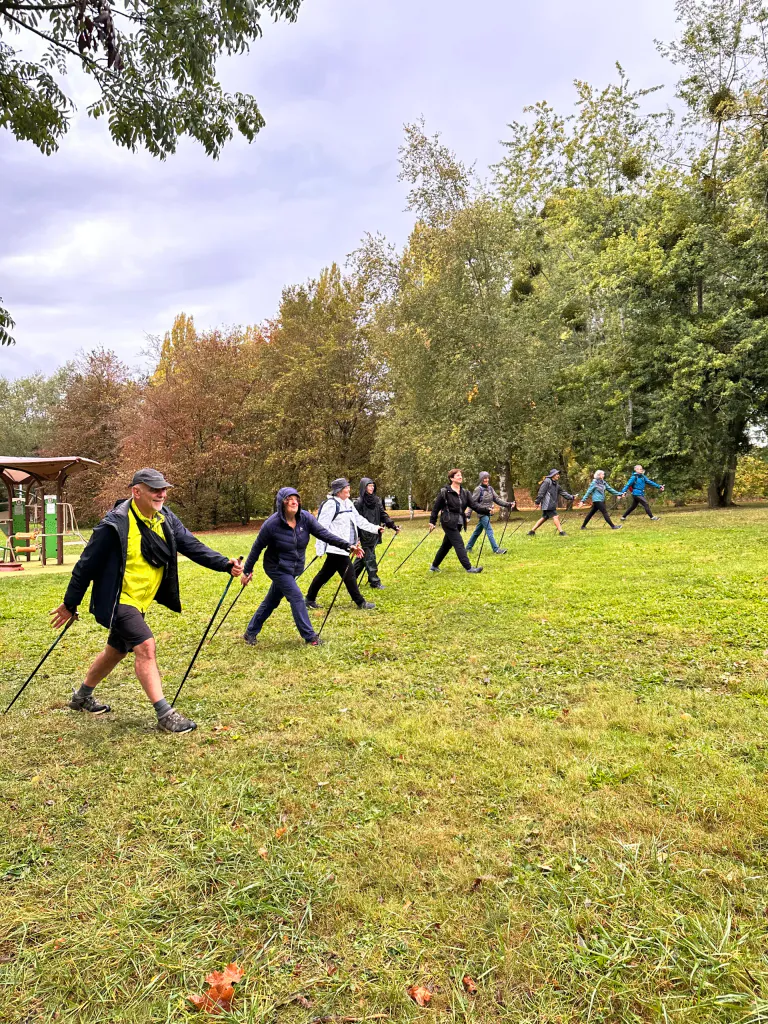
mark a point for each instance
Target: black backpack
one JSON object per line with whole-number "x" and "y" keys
{"x": 325, "y": 501}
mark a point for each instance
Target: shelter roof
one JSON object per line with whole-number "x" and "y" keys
{"x": 19, "y": 470}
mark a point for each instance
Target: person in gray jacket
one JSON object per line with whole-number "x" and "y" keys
{"x": 485, "y": 495}
{"x": 549, "y": 494}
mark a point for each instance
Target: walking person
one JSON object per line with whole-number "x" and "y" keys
{"x": 131, "y": 559}
{"x": 485, "y": 495}
{"x": 283, "y": 538}
{"x": 340, "y": 517}
{"x": 636, "y": 486}
{"x": 451, "y": 505}
{"x": 597, "y": 490}
{"x": 549, "y": 494}
{"x": 371, "y": 507}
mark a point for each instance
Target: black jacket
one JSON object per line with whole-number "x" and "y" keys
{"x": 550, "y": 493}
{"x": 453, "y": 508}
{"x": 285, "y": 546}
{"x": 103, "y": 563}
{"x": 376, "y": 513}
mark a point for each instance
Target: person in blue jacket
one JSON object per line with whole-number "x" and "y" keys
{"x": 596, "y": 491}
{"x": 636, "y": 487}
{"x": 284, "y": 538}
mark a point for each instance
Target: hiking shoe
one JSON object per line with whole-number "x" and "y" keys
{"x": 174, "y": 721}
{"x": 623, "y": 519}
{"x": 311, "y": 604}
{"x": 475, "y": 568}
{"x": 88, "y": 703}
{"x": 655, "y": 519}
{"x": 434, "y": 568}
{"x": 366, "y": 606}
{"x": 531, "y": 533}
{"x": 562, "y": 533}
{"x": 250, "y": 640}
{"x": 500, "y": 551}
{"x": 378, "y": 585}
{"x": 317, "y": 642}
{"x": 615, "y": 527}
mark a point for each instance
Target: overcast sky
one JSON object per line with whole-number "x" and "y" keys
{"x": 102, "y": 247}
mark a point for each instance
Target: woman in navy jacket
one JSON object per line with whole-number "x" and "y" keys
{"x": 284, "y": 538}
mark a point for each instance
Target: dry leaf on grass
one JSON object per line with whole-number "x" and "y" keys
{"x": 420, "y": 995}
{"x": 221, "y": 990}
{"x": 280, "y": 832}
{"x": 263, "y": 852}
{"x": 469, "y": 985}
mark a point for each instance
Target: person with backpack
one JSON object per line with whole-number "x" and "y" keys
{"x": 283, "y": 538}
{"x": 132, "y": 561}
{"x": 451, "y": 505}
{"x": 549, "y": 495}
{"x": 597, "y": 490}
{"x": 485, "y": 495}
{"x": 636, "y": 486}
{"x": 371, "y": 507}
{"x": 340, "y": 517}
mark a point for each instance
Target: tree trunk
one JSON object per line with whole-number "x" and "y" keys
{"x": 506, "y": 487}
{"x": 410, "y": 499}
{"x": 720, "y": 489}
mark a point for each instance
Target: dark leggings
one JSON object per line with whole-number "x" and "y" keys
{"x": 638, "y": 499}
{"x": 332, "y": 565}
{"x": 597, "y": 506}
{"x": 452, "y": 539}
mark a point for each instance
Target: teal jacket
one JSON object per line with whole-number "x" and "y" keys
{"x": 599, "y": 487}
{"x": 636, "y": 484}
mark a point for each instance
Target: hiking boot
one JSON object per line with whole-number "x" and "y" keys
{"x": 366, "y": 606}
{"x": 655, "y": 519}
{"x": 623, "y": 519}
{"x": 88, "y": 703}
{"x": 531, "y": 533}
{"x": 317, "y": 642}
{"x": 475, "y": 568}
{"x": 434, "y": 568}
{"x": 378, "y": 585}
{"x": 500, "y": 551}
{"x": 250, "y": 639}
{"x": 311, "y": 604}
{"x": 174, "y": 721}
{"x": 562, "y": 533}
{"x": 615, "y": 527}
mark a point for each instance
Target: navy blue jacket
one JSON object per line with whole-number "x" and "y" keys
{"x": 285, "y": 546}
{"x": 103, "y": 563}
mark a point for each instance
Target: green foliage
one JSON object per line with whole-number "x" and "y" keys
{"x": 27, "y": 409}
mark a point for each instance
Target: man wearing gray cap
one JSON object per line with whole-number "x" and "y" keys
{"x": 131, "y": 559}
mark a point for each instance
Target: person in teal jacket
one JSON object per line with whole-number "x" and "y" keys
{"x": 636, "y": 487}
{"x": 596, "y": 491}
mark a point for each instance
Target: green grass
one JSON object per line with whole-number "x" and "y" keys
{"x": 551, "y": 777}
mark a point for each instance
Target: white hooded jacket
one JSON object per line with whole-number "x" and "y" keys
{"x": 343, "y": 519}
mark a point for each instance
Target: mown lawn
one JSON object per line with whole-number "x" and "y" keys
{"x": 551, "y": 777}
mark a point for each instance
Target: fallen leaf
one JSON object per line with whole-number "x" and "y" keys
{"x": 221, "y": 990}
{"x": 229, "y": 976}
{"x": 280, "y": 832}
{"x": 58, "y": 943}
{"x": 469, "y": 985}
{"x": 303, "y": 1001}
{"x": 420, "y": 995}
{"x": 479, "y": 881}
{"x": 263, "y": 852}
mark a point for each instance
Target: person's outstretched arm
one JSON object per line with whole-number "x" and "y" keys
{"x": 363, "y": 523}
{"x": 317, "y": 529}
{"x": 498, "y": 500}
{"x": 653, "y": 483}
{"x": 611, "y": 490}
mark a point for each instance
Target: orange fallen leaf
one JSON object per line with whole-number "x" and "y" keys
{"x": 221, "y": 990}
{"x": 229, "y": 976}
{"x": 280, "y": 832}
{"x": 58, "y": 943}
{"x": 420, "y": 995}
{"x": 469, "y": 986}
{"x": 263, "y": 852}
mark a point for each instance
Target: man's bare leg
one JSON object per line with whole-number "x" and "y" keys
{"x": 535, "y": 528}
{"x": 102, "y": 666}
{"x": 147, "y": 671}
{"x": 556, "y": 521}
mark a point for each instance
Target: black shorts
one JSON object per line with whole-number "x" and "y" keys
{"x": 550, "y": 513}
{"x": 128, "y": 629}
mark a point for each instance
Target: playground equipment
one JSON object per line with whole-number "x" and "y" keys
{"x": 37, "y": 518}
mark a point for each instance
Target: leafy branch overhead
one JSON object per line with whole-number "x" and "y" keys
{"x": 154, "y": 65}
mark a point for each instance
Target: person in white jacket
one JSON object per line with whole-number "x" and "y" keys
{"x": 340, "y": 517}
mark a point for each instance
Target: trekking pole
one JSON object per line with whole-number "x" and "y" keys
{"x": 481, "y": 549}
{"x": 226, "y": 613}
{"x": 412, "y": 552}
{"x": 205, "y": 634}
{"x": 333, "y": 602}
{"x": 307, "y": 566}
{"x": 49, "y": 651}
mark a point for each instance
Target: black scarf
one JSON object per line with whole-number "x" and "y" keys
{"x": 153, "y": 547}
{"x": 369, "y": 500}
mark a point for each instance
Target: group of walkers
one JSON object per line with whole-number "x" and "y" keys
{"x": 131, "y": 560}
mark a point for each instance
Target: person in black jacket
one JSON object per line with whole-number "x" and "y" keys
{"x": 371, "y": 507}
{"x": 284, "y": 538}
{"x": 451, "y": 505}
{"x": 549, "y": 494}
{"x": 131, "y": 559}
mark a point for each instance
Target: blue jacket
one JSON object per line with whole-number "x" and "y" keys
{"x": 285, "y": 546}
{"x": 636, "y": 484}
{"x": 599, "y": 487}
{"x": 103, "y": 563}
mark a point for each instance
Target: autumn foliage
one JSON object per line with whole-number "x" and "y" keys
{"x": 218, "y": 997}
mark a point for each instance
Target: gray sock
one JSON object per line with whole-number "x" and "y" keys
{"x": 161, "y": 706}
{"x": 84, "y": 691}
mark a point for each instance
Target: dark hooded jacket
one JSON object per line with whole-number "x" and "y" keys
{"x": 103, "y": 563}
{"x": 485, "y": 495}
{"x": 372, "y": 508}
{"x": 285, "y": 546}
{"x": 452, "y": 508}
{"x": 550, "y": 493}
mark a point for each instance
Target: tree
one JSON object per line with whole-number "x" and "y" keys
{"x": 27, "y": 408}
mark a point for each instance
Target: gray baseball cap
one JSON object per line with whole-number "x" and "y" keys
{"x": 151, "y": 477}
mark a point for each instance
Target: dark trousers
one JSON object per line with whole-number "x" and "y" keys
{"x": 332, "y": 565}
{"x": 638, "y": 499}
{"x": 283, "y": 586}
{"x": 597, "y": 506}
{"x": 452, "y": 539}
{"x": 368, "y": 561}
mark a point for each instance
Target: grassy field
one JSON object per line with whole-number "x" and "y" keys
{"x": 551, "y": 778}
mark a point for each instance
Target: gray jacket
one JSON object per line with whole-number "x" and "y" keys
{"x": 485, "y": 495}
{"x": 550, "y": 493}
